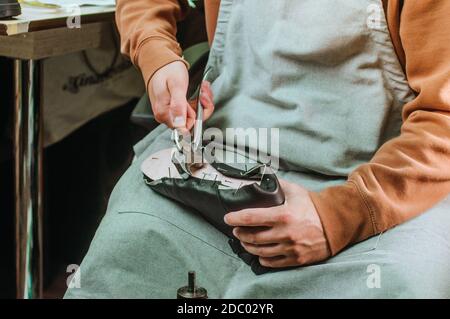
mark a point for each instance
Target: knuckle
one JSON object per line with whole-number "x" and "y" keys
{"x": 258, "y": 252}
{"x": 192, "y": 103}
{"x": 251, "y": 238}
{"x": 247, "y": 218}
{"x": 209, "y": 105}
{"x": 284, "y": 217}
{"x": 293, "y": 237}
{"x": 298, "y": 251}
{"x": 239, "y": 234}
{"x": 267, "y": 253}
{"x": 301, "y": 260}
{"x": 264, "y": 262}
{"x": 159, "y": 115}
{"x": 256, "y": 238}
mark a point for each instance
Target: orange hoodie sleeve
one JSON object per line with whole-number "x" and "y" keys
{"x": 410, "y": 173}
{"x": 148, "y": 32}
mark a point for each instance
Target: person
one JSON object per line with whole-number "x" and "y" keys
{"x": 360, "y": 91}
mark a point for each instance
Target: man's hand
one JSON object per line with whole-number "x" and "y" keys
{"x": 167, "y": 91}
{"x": 283, "y": 236}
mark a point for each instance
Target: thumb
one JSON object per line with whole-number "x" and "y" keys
{"x": 178, "y": 104}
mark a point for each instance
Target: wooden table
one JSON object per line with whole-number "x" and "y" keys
{"x": 28, "y": 39}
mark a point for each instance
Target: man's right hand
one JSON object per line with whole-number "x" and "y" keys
{"x": 167, "y": 90}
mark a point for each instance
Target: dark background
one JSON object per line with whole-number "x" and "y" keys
{"x": 80, "y": 173}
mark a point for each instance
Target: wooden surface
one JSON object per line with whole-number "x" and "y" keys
{"x": 53, "y": 42}
{"x": 38, "y": 36}
{"x": 35, "y": 20}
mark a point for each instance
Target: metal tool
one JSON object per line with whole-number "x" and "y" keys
{"x": 191, "y": 291}
{"x": 189, "y": 154}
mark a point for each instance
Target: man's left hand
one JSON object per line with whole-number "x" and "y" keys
{"x": 284, "y": 236}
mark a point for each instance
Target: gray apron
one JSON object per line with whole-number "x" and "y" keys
{"x": 326, "y": 74}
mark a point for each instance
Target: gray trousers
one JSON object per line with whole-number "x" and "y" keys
{"x": 146, "y": 244}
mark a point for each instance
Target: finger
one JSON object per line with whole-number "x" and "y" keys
{"x": 193, "y": 104}
{"x": 273, "y": 250}
{"x": 206, "y": 90}
{"x": 208, "y": 106}
{"x": 278, "y": 262}
{"x": 252, "y": 217}
{"x": 286, "y": 186}
{"x": 178, "y": 111}
{"x": 178, "y": 103}
{"x": 160, "y": 112}
{"x": 291, "y": 189}
{"x": 205, "y": 101}
{"x": 256, "y": 235}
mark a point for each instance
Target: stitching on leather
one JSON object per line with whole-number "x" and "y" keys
{"x": 178, "y": 227}
{"x": 368, "y": 206}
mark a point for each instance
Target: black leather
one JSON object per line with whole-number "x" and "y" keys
{"x": 213, "y": 203}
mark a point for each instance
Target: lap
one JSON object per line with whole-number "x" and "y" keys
{"x": 146, "y": 244}
{"x": 409, "y": 261}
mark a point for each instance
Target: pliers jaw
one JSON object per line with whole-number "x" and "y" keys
{"x": 179, "y": 161}
{"x": 185, "y": 156}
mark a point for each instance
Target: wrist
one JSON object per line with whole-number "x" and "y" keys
{"x": 345, "y": 215}
{"x": 149, "y": 62}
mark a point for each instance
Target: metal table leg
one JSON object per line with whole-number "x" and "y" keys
{"x": 28, "y": 179}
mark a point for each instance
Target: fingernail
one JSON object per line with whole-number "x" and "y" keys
{"x": 179, "y": 121}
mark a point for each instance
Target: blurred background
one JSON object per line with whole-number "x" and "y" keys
{"x": 88, "y": 139}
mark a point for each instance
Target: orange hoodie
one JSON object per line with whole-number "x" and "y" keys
{"x": 409, "y": 174}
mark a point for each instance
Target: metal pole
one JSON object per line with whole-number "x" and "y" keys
{"x": 28, "y": 179}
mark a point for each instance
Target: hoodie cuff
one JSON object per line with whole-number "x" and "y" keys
{"x": 345, "y": 214}
{"x": 155, "y": 53}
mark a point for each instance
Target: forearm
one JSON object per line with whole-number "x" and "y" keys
{"x": 148, "y": 32}
{"x": 410, "y": 173}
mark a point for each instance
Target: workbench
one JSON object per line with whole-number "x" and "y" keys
{"x": 28, "y": 39}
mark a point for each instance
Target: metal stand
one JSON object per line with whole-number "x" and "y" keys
{"x": 28, "y": 179}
